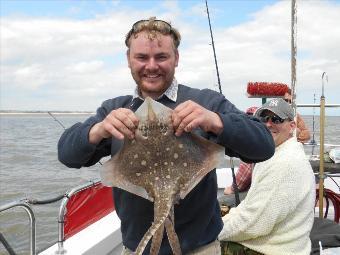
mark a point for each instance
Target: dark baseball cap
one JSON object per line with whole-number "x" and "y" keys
{"x": 279, "y": 107}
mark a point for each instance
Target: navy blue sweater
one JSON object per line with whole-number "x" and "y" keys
{"x": 197, "y": 217}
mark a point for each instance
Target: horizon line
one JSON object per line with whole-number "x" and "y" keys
{"x": 9, "y": 112}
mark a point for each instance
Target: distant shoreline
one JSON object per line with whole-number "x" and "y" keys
{"x": 43, "y": 112}
{"x": 86, "y": 113}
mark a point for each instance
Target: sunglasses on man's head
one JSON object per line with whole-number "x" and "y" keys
{"x": 274, "y": 119}
{"x": 157, "y": 24}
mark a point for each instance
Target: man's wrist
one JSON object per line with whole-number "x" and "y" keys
{"x": 217, "y": 126}
{"x": 94, "y": 134}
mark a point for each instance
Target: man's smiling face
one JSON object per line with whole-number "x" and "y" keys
{"x": 281, "y": 132}
{"x": 152, "y": 62}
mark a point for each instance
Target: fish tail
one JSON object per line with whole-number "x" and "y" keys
{"x": 160, "y": 216}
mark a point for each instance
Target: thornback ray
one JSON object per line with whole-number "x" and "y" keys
{"x": 161, "y": 167}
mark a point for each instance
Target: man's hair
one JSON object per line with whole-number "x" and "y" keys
{"x": 153, "y": 27}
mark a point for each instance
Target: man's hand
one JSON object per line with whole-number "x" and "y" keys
{"x": 189, "y": 115}
{"x": 119, "y": 123}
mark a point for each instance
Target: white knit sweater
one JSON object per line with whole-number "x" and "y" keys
{"x": 277, "y": 214}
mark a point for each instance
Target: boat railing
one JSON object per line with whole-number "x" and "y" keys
{"x": 312, "y": 142}
{"x": 63, "y": 210}
{"x": 25, "y": 205}
{"x": 331, "y": 176}
{"x": 318, "y": 105}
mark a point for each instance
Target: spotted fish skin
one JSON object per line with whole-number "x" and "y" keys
{"x": 161, "y": 167}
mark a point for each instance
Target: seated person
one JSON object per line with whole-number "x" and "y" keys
{"x": 243, "y": 178}
{"x": 277, "y": 214}
{"x": 243, "y": 175}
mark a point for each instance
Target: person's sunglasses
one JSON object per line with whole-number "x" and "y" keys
{"x": 289, "y": 101}
{"x": 159, "y": 25}
{"x": 156, "y": 22}
{"x": 274, "y": 119}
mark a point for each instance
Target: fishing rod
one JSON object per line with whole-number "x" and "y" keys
{"x": 213, "y": 46}
{"x": 235, "y": 187}
{"x": 61, "y": 124}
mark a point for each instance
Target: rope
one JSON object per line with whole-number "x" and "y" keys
{"x": 334, "y": 181}
{"x": 293, "y": 53}
{"x": 45, "y": 201}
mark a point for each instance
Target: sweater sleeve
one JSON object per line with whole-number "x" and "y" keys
{"x": 74, "y": 148}
{"x": 243, "y": 136}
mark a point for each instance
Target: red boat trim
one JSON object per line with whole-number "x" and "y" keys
{"x": 87, "y": 207}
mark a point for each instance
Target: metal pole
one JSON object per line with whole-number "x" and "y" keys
{"x": 63, "y": 211}
{"x": 313, "y": 138}
{"x": 322, "y": 144}
{"x": 61, "y": 224}
{"x": 31, "y": 216}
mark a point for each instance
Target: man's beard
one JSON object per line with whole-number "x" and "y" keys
{"x": 159, "y": 89}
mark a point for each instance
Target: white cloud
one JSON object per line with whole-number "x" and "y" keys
{"x": 259, "y": 50}
{"x": 86, "y": 67}
{"x": 42, "y": 39}
{"x": 77, "y": 64}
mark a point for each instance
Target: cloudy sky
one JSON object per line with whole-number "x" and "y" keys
{"x": 70, "y": 55}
